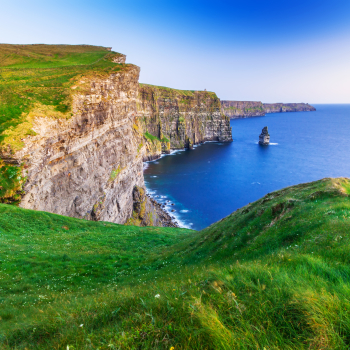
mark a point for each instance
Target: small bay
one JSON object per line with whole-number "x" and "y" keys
{"x": 213, "y": 180}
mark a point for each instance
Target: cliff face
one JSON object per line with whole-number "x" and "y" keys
{"x": 88, "y": 166}
{"x": 246, "y": 109}
{"x": 177, "y": 119}
{"x": 242, "y": 109}
{"x": 288, "y": 107}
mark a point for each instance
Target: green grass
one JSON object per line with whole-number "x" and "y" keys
{"x": 274, "y": 274}
{"x": 151, "y": 137}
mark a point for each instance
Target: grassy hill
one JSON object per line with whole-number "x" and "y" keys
{"x": 272, "y": 275}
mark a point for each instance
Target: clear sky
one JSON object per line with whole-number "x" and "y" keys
{"x": 265, "y": 50}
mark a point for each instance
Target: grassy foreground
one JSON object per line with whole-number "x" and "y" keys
{"x": 272, "y": 275}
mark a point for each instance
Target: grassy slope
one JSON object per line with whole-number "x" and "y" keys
{"x": 274, "y": 274}
{"x": 37, "y": 80}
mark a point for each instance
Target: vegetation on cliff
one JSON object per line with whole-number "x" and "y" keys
{"x": 274, "y": 274}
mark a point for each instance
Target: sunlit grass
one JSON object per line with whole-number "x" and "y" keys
{"x": 274, "y": 274}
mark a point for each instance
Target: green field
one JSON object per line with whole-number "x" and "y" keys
{"x": 272, "y": 275}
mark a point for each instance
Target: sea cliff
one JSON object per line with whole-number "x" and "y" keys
{"x": 247, "y": 109}
{"x": 73, "y": 139}
{"x": 175, "y": 119}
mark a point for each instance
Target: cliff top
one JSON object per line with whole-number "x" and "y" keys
{"x": 48, "y": 56}
{"x": 273, "y": 274}
{"x": 39, "y": 79}
{"x": 166, "y": 92}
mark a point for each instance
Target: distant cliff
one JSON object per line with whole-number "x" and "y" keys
{"x": 288, "y": 107}
{"x": 247, "y": 109}
{"x": 242, "y": 109}
{"x": 174, "y": 119}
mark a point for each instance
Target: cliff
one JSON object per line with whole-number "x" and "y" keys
{"x": 288, "y": 107}
{"x": 75, "y": 129}
{"x": 73, "y": 150}
{"x": 242, "y": 109}
{"x": 246, "y": 109}
{"x": 175, "y": 119}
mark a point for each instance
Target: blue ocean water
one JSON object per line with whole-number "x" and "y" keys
{"x": 211, "y": 181}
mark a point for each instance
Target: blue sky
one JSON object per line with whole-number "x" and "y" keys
{"x": 272, "y": 51}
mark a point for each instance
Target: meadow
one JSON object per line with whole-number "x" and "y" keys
{"x": 275, "y": 274}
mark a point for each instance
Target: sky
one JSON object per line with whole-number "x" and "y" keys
{"x": 262, "y": 50}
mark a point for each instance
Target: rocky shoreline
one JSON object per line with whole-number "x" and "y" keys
{"x": 164, "y": 216}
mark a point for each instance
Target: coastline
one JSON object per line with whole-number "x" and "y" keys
{"x": 168, "y": 217}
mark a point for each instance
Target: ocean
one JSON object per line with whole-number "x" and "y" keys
{"x": 202, "y": 186}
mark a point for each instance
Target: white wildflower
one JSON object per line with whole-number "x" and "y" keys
{"x": 157, "y": 296}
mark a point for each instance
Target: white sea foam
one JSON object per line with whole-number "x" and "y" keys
{"x": 184, "y": 211}
{"x": 271, "y": 143}
{"x": 154, "y": 176}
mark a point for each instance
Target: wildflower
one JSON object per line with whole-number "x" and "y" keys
{"x": 172, "y": 348}
{"x": 157, "y": 296}
{"x": 81, "y": 325}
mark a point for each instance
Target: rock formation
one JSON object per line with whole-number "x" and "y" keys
{"x": 288, "y": 107}
{"x": 175, "y": 119}
{"x": 247, "y": 109}
{"x": 242, "y": 109}
{"x": 264, "y": 138}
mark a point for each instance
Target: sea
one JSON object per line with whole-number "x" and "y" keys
{"x": 203, "y": 185}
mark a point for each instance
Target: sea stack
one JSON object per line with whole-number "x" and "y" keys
{"x": 264, "y": 138}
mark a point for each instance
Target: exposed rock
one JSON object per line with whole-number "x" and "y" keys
{"x": 88, "y": 165}
{"x": 288, "y": 107}
{"x": 242, "y": 109}
{"x": 247, "y": 109}
{"x": 175, "y": 119}
{"x": 144, "y": 211}
{"x": 264, "y": 138}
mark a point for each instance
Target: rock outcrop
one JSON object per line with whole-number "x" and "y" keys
{"x": 247, "y": 109}
{"x": 264, "y": 137}
{"x": 175, "y": 119}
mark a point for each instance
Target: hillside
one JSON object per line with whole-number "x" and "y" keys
{"x": 274, "y": 274}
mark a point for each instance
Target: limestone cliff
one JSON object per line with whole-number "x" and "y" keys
{"x": 288, "y": 107}
{"x": 247, "y": 109}
{"x": 175, "y": 119}
{"x": 242, "y": 109}
{"x": 86, "y": 166}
